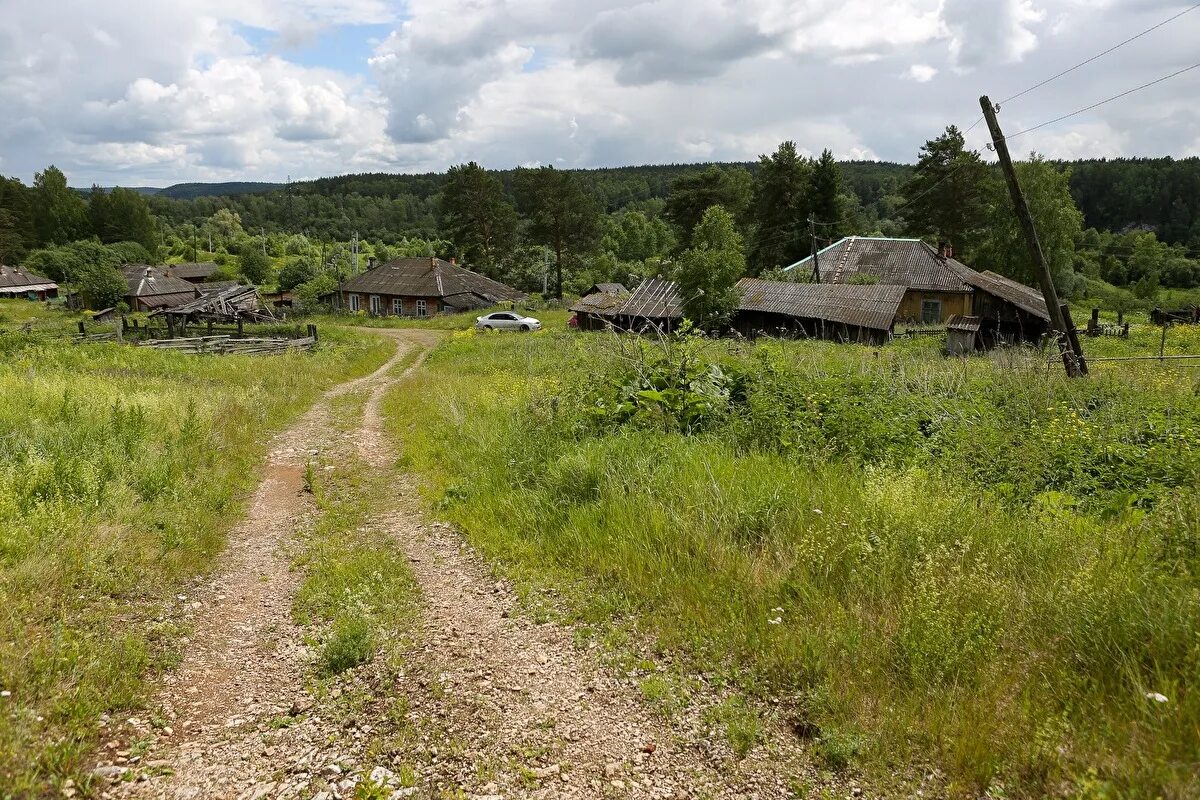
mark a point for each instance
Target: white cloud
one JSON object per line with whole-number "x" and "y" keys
{"x": 987, "y": 32}
{"x": 921, "y": 73}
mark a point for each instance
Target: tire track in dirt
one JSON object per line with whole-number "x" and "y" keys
{"x": 245, "y": 667}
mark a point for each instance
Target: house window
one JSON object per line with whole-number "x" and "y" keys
{"x": 931, "y": 311}
{"x": 375, "y": 304}
{"x": 421, "y": 312}
{"x": 354, "y": 302}
{"x": 398, "y": 306}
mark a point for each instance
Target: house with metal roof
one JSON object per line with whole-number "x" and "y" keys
{"x": 151, "y": 288}
{"x": 17, "y": 282}
{"x": 1007, "y": 311}
{"x": 654, "y": 306}
{"x": 935, "y": 289}
{"x": 838, "y": 312}
{"x": 420, "y": 287}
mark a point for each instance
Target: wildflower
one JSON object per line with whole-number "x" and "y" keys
{"x": 1156, "y": 697}
{"x": 777, "y": 610}
{"x": 779, "y": 621}
{"x": 818, "y": 511}
{"x": 6, "y": 693}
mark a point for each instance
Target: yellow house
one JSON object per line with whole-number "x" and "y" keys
{"x": 934, "y": 288}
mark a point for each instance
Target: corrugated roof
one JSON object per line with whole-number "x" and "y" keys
{"x": 607, "y": 288}
{"x": 429, "y": 277}
{"x": 1023, "y": 297}
{"x": 198, "y": 269}
{"x": 23, "y": 280}
{"x": 146, "y": 281}
{"x": 960, "y": 322}
{"x": 894, "y": 262}
{"x": 868, "y": 306}
{"x": 654, "y": 298}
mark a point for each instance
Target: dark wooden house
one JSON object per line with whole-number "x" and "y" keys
{"x": 17, "y": 282}
{"x": 151, "y": 288}
{"x": 421, "y": 287}
{"x": 654, "y": 306}
{"x": 1008, "y": 312}
{"x": 837, "y": 312}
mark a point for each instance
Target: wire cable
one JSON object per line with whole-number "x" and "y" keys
{"x": 1117, "y": 46}
{"x": 1125, "y": 93}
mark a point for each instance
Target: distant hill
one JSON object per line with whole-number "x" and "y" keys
{"x": 190, "y": 191}
{"x": 145, "y": 190}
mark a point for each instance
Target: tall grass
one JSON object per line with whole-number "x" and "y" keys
{"x": 120, "y": 471}
{"x": 970, "y": 563}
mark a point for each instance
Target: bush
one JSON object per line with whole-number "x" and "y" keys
{"x": 255, "y": 266}
{"x": 296, "y": 271}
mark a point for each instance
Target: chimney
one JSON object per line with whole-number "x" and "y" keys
{"x": 949, "y": 250}
{"x": 370, "y": 262}
{"x": 433, "y": 261}
{"x": 453, "y": 260}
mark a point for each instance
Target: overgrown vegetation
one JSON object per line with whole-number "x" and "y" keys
{"x": 971, "y": 563}
{"x": 120, "y": 470}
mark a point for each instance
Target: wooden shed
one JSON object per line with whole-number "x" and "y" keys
{"x": 591, "y": 308}
{"x": 837, "y": 312}
{"x": 962, "y": 335}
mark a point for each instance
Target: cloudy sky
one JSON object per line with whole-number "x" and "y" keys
{"x": 134, "y": 92}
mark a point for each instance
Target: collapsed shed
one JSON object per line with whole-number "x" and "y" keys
{"x": 592, "y": 308}
{"x": 230, "y": 304}
{"x": 151, "y": 288}
{"x": 654, "y": 305}
{"x": 839, "y": 312}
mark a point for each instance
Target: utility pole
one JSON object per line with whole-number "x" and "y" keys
{"x": 354, "y": 252}
{"x": 263, "y": 233}
{"x": 812, "y": 230}
{"x": 545, "y": 270}
{"x": 1059, "y": 314}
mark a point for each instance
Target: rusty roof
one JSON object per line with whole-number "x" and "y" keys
{"x": 23, "y": 280}
{"x": 1023, "y": 297}
{"x": 894, "y": 262}
{"x": 654, "y": 298}
{"x": 868, "y": 306}
{"x": 961, "y": 322}
{"x": 429, "y": 277}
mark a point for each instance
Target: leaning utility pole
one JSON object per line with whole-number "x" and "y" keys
{"x": 812, "y": 231}
{"x": 1060, "y": 315}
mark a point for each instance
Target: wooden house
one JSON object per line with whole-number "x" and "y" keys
{"x": 654, "y": 306}
{"x": 934, "y": 288}
{"x": 839, "y": 312}
{"x": 421, "y": 287}
{"x": 151, "y": 288}
{"x": 17, "y": 282}
{"x": 1009, "y": 312}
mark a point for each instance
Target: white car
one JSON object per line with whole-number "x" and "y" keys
{"x": 506, "y": 321}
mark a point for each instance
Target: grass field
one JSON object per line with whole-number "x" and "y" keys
{"x": 974, "y": 565}
{"x": 120, "y": 471}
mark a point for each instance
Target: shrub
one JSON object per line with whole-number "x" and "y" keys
{"x": 349, "y": 644}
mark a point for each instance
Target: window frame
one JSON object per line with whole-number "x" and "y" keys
{"x": 398, "y": 306}
{"x": 936, "y": 305}
{"x": 422, "y": 307}
{"x": 354, "y": 302}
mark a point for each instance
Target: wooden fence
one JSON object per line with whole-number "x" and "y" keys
{"x": 227, "y": 345}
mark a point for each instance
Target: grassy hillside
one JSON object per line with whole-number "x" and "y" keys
{"x": 120, "y": 471}
{"x": 970, "y": 565}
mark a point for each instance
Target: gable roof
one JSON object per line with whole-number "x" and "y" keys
{"x": 147, "y": 281}
{"x": 600, "y": 302}
{"x": 196, "y": 270}
{"x": 910, "y": 263}
{"x": 606, "y": 288}
{"x": 654, "y": 298}
{"x": 429, "y": 277}
{"x": 868, "y": 306}
{"x": 15, "y": 278}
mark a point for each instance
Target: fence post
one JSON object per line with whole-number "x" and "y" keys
{"x": 1094, "y": 327}
{"x": 1120, "y": 317}
{"x": 312, "y": 331}
{"x": 120, "y": 330}
{"x": 82, "y": 331}
{"x": 1162, "y": 345}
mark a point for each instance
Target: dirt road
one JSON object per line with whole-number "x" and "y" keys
{"x": 505, "y": 706}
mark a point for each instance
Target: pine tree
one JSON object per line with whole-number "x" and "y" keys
{"x": 948, "y": 194}
{"x": 478, "y": 217}
{"x": 781, "y": 205}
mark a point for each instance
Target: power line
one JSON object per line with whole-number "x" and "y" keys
{"x": 1126, "y": 93}
{"x": 1117, "y": 46}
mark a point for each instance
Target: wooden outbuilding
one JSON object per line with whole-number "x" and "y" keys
{"x": 1009, "y": 312}
{"x": 591, "y": 309}
{"x": 194, "y": 272}
{"x": 837, "y": 312}
{"x": 654, "y": 306}
{"x": 962, "y": 335}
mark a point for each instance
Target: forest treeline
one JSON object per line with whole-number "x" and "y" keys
{"x": 1132, "y": 223}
